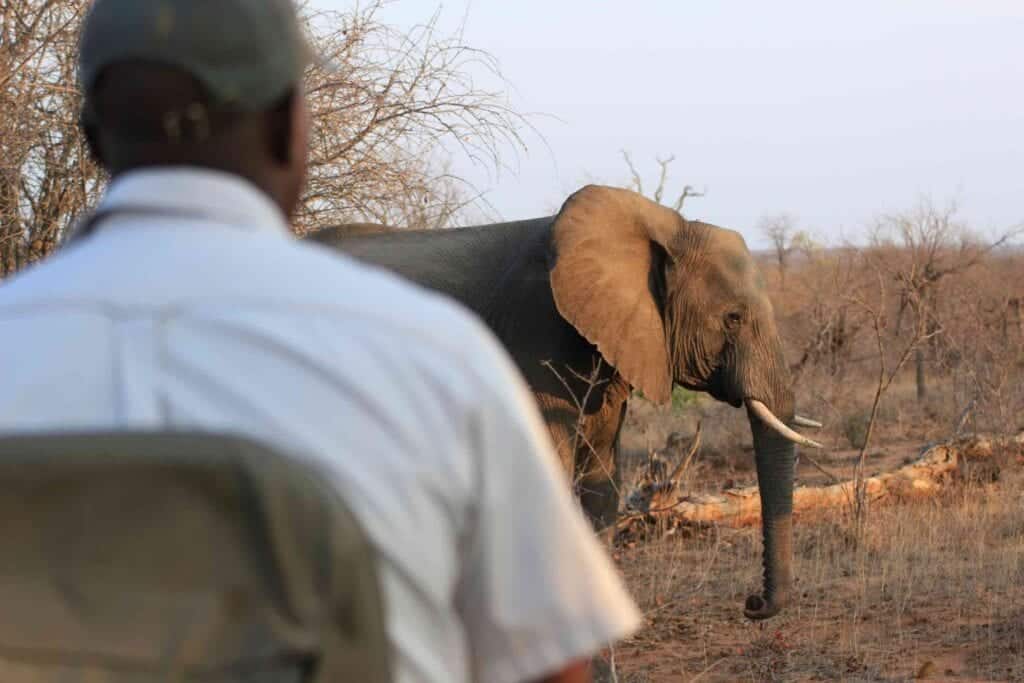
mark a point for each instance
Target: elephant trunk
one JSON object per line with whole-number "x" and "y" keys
{"x": 775, "y": 461}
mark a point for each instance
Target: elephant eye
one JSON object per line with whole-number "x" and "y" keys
{"x": 733, "y": 319}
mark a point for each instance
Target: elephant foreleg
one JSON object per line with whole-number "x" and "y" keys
{"x": 598, "y": 486}
{"x": 561, "y": 419}
{"x": 586, "y": 459}
{"x": 587, "y": 448}
{"x": 597, "y": 464}
{"x": 596, "y": 457}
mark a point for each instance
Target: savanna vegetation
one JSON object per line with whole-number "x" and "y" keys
{"x": 388, "y": 116}
{"x": 913, "y": 339}
{"x": 913, "y": 336}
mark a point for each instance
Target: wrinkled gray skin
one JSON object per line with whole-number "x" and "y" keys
{"x": 617, "y": 280}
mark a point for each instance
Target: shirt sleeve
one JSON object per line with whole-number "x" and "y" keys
{"x": 537, "y": 591}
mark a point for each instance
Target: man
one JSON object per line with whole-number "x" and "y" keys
{"x": 186, "y": 304}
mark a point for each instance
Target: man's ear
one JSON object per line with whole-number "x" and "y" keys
{"x": 282, "y": 130}
{"x": 92, "y": 136}
{"x": 300, "y": 120}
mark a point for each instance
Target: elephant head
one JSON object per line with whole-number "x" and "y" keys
{"x": 670, "y": 301}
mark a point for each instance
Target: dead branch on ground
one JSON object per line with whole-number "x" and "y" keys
{"x": 969, "y": 459}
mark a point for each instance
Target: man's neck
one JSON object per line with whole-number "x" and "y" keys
{"x": 258, "y": 179}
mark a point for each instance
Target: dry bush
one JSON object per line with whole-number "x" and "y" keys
{"x": 389, "y": 113}
{"x": 387, "y": 117}
{"x": 936, "y": 582}
{"x": 931, "y": 285}
{"x": 46, "y": 176}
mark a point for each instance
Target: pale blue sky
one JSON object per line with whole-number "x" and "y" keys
{"x": 830, "y": 111}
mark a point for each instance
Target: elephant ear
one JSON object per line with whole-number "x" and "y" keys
{"x": 600, "y": 280}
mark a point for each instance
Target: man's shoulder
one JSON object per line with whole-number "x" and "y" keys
{"x": 224, "y": 267}
{"x": 292, "y": 281}
{"x": 357, "y": 295}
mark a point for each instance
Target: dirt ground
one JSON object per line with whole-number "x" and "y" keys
{"x": 932, "y": 591}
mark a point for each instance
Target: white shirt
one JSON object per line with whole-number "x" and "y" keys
{"x": 224, "y": 321}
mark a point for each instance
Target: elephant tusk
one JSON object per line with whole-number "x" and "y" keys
{"x": 684, "y": 464}
{"x": 801, "y": 421}
{"x": 768, "y": 417}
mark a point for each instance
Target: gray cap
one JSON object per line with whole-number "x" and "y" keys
{"x": 246, "y": 53}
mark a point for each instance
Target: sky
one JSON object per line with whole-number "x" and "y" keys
{"x": 831, "y": 112}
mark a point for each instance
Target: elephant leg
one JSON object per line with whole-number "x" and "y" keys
{"x": 561, "y": 421}
{"x": 598, "y": 464}
{"x": 587, "y": 448}
{"x": 587, "y": 458}
{"x": 598, "y": 485}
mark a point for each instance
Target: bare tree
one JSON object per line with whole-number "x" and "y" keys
{"x": 390, "y": 113}
{"x": 658, "y": 194}
{"x": 388, "y": 117}
{"x": 780, "y": 230}
{"x": 936, "y": 248}
{"x": 876, "y": 311}
{"x": 46, "y": 175}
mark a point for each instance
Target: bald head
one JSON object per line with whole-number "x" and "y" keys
{"x": 141, "y": 114}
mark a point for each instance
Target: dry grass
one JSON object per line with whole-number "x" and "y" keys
{"x": 933, "y": 588}
{"x": 933, "y": 583}
{"x": 929, "y": 590}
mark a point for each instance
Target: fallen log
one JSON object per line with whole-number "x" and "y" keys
{"x": 971, "y": 458}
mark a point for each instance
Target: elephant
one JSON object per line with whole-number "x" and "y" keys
{"x": 614, "y": 293}
{"x": 351, "y": 229}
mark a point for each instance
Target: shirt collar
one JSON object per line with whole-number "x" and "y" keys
{"x": 215, "y": 195}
